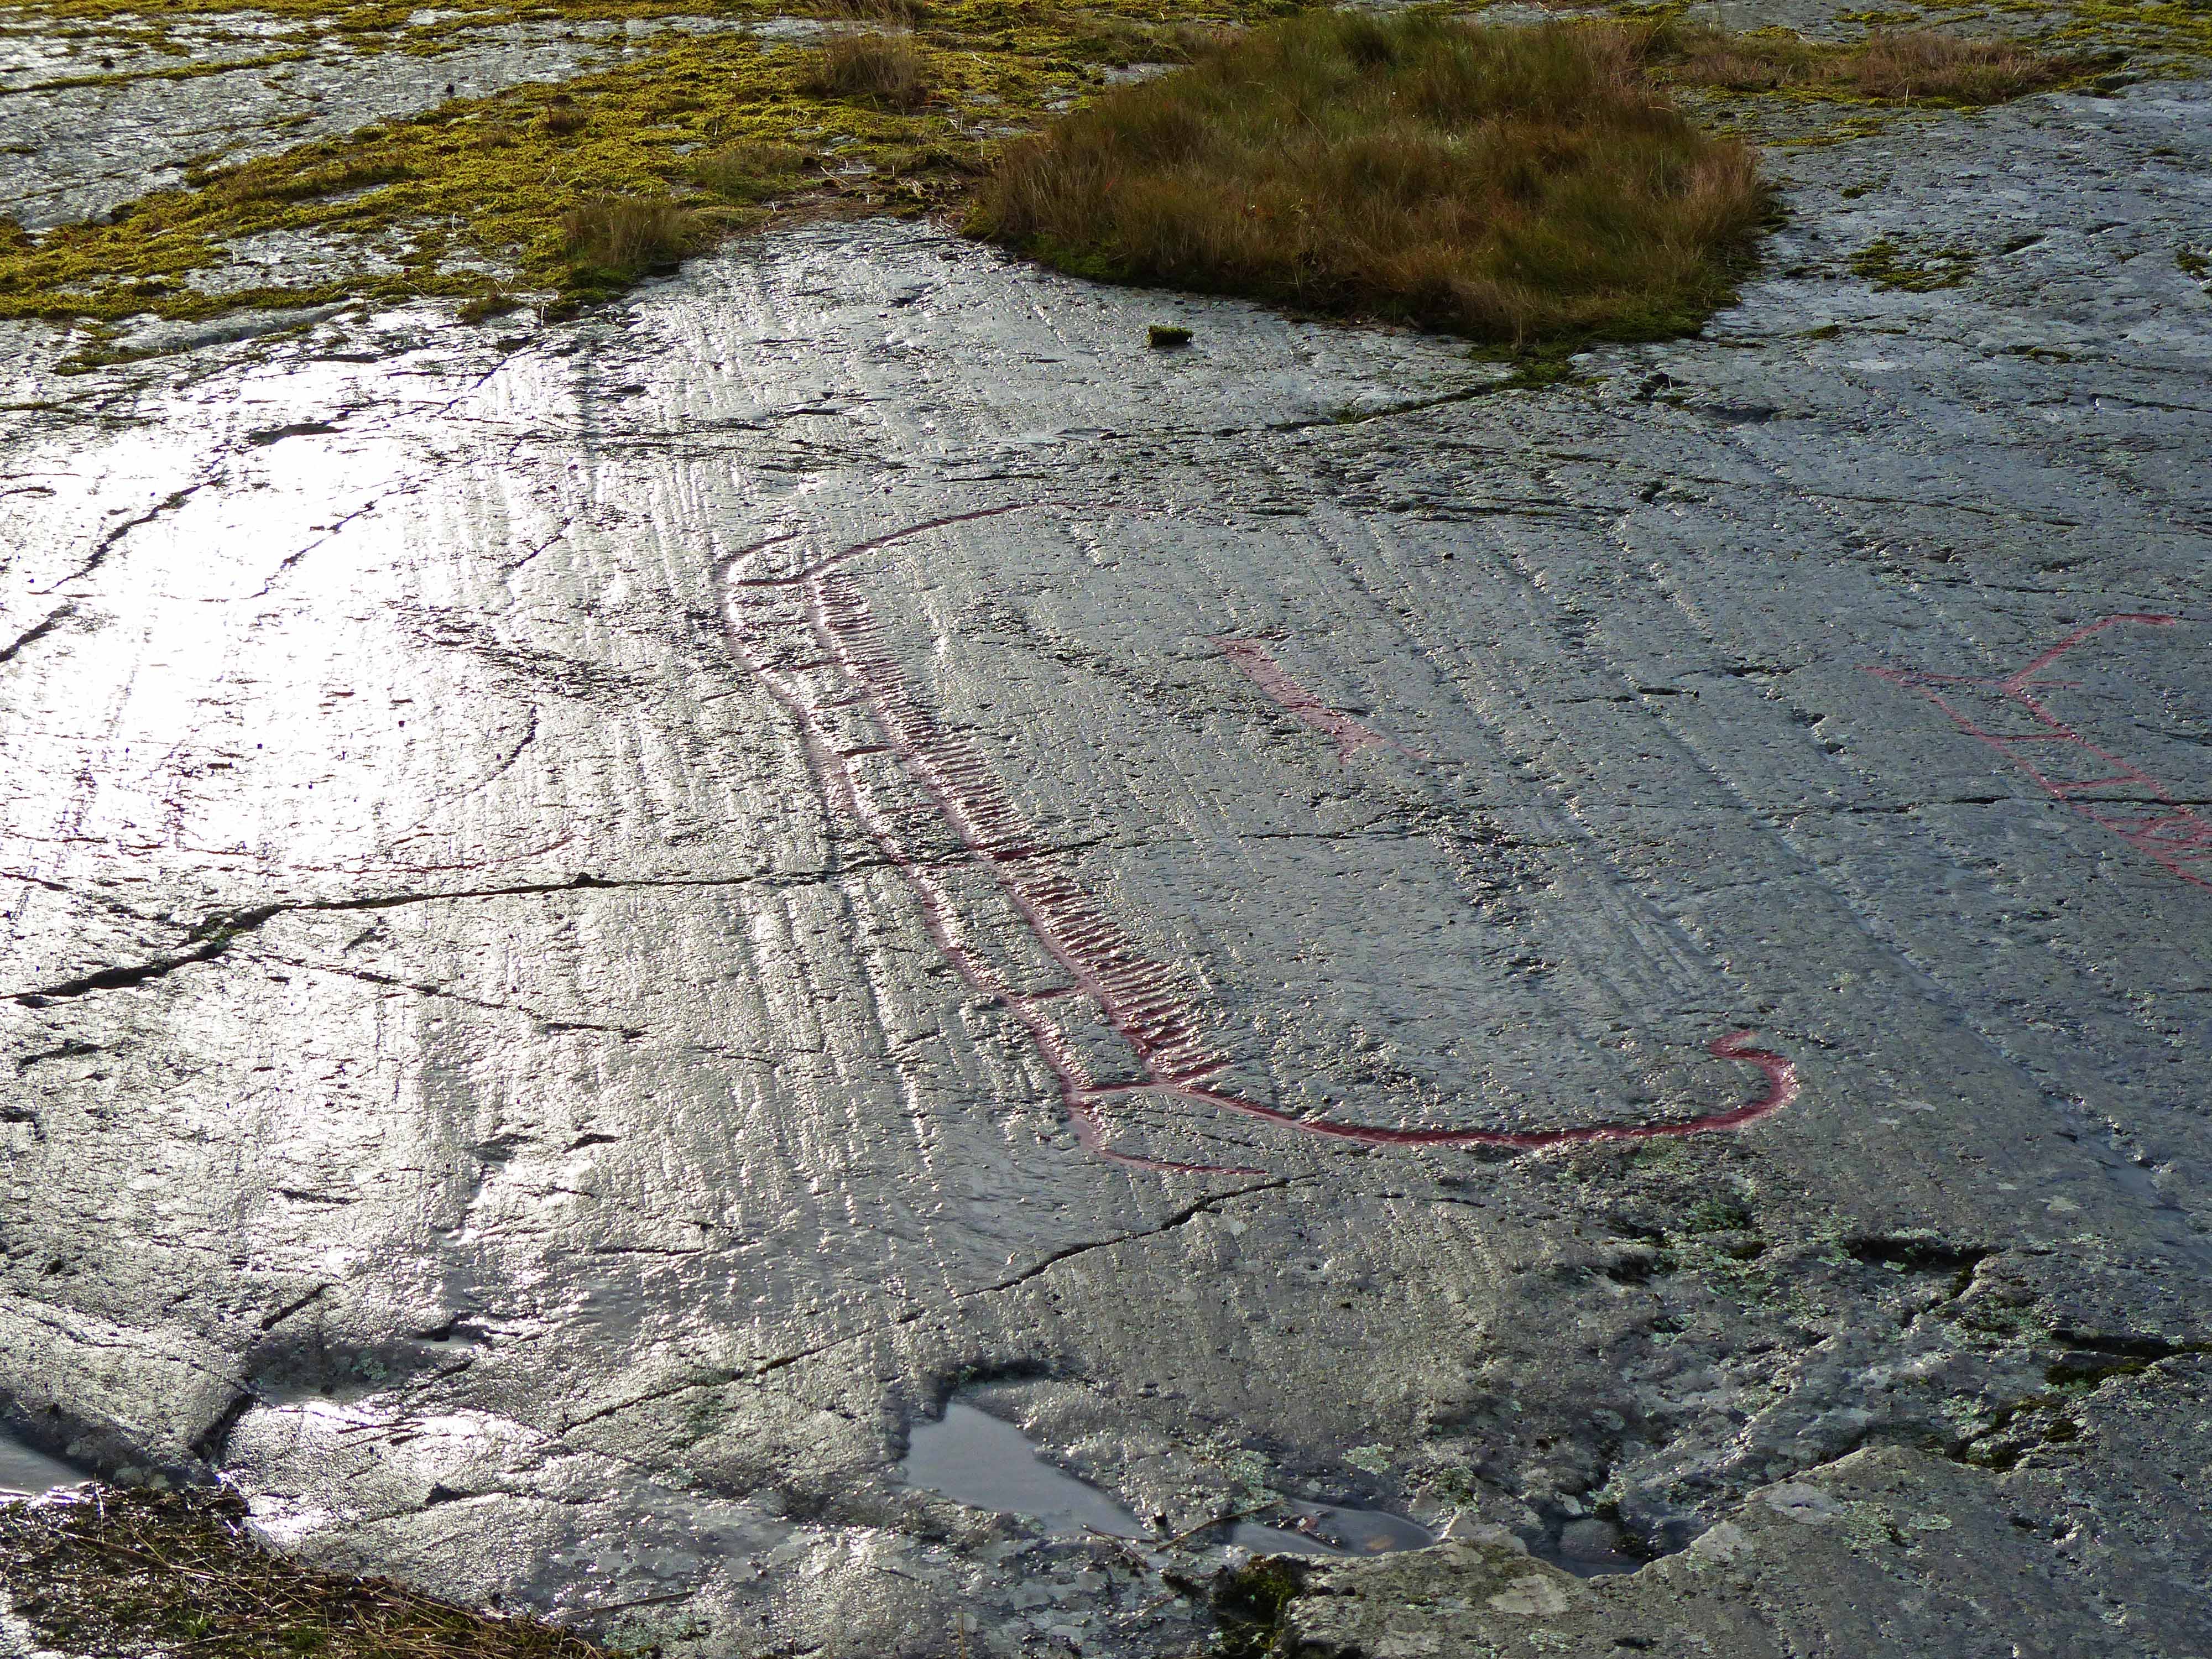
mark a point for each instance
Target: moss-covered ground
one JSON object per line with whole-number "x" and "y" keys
{"x": 469, "y": 197}
{"x": 476, "y": 199}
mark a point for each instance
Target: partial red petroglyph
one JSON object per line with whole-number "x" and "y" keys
{"x": 1351, "y": 734}
{"x": 2004, "y": 713}
{"x": 810, "y": 640}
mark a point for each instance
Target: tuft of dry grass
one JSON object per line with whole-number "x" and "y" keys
{"x": 132, "y": 1573}
{"x": 1507, "y": 184}
{"x": 1700, "y": 55}
{"x": 1913, "y": 66}
{"x": 562, "y": 117}
{"x": 1108, "y": 37}
{"x": 884, "y": 70}
{"x": 1919, "y": 67}
{"x": 625, "y": 237}
{"x": 878, "y": 14}
{"x": 749, "y": 172}
{"x": 609, "y": 242}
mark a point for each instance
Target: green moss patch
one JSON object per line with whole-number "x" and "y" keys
{"x": 1889, "y": 264}
{"x": 476, "y": 198}
{"x": 1249, "y": 1602}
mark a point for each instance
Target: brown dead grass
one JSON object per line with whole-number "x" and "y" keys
{"x": 1915, "y": 66}
{"x": 1924, "y": 68}
{"x": 134, "y": 1573}
{"x": 878, "y": 14}
{"x": 749, "y": 172}
{"x": 885, "y": 71}
{"x": 562, "y": 117}
{"x": 608, "y": 244}
{"x": 1108, "y": 37}
{"x": 1507, "y": 184}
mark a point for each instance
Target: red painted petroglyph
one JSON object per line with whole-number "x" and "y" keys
{"x": 1351, "y": 734}
{"x": 2130, "y": 803}
{"x": 810, "y": 640}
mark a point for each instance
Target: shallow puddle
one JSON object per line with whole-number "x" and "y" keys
{"x": 1332, "y": 1529}
{"x": 974, "y": 1458}
{"x": 25, "y": 1472}
{"x": 978, "y": 1459}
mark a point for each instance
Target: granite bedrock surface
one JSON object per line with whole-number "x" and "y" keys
{"x": 602, "y": 917}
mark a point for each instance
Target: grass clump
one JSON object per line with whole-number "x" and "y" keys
{"x": 1917, "y": 66}
{"x": 749, "y": 172}
{"x": 562, "y": 118}
{"x": 1922, "y": 67}
{"x": 133, "y": 1573}
{"x": 1505, "y": 184}
{"x": 885, "y": 71}
{"x": 617, "y": 238}
{"x": 1121, "y": 41}
{"x": 878, "y": 13}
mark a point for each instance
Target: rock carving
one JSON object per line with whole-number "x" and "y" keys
{"x": 886, "y": 763}
{"x": 1351, "y": 734}
{"x": 2108, "y": 790}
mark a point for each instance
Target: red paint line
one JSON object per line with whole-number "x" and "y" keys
{"x": 1351, "y": 734}
{"x": 2164, "y": 831}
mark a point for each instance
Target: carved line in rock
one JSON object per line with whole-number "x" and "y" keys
{"x": 1351, "y": 734}
{"x": 2065, "y": 764}
{"x": 811, "y": 642}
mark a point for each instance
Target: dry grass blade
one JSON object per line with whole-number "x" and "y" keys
{"x": 1509, "y": 184}
{"x": 884, "y": 70}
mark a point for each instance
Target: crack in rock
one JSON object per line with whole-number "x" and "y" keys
{"x": 37, "y": 631}
{"x": 107, "y": 542}
{"x": 215, "y": 934}
{"x": 722, "y": 1377}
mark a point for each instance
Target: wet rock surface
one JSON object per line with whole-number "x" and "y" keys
{"x": 1887, "y": 1550}
{"x": 602, "y": 918}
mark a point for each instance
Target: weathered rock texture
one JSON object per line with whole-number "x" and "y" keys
{"x": 1886, "y": 1551}
{"x": 573, "y": 965}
